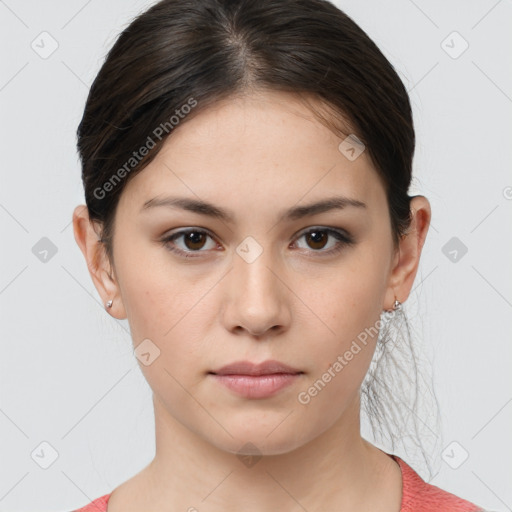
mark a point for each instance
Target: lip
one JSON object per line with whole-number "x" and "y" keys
{"x": 247, "y": 368}
{"x": 252, "y": 380}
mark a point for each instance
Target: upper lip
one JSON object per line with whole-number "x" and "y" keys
{"x": 248, "y": 368}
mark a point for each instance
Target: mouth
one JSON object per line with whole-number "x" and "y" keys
{"x": 255, "y": 381}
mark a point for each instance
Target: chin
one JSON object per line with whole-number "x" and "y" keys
{"x": 255, "y": 440}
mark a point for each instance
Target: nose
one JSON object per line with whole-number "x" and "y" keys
{"x": 257, "y": 298}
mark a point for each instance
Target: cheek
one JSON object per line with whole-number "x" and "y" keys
{"x": 345, "y": 311}
{"x": 350, "y": 300}
{"x": 176, "y": 316}
{"x": 339, "y": 360}
{"x": 155, "y": 293}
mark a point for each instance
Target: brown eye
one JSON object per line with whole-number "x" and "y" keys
{"x": 194, "y": 241}
{"x": 319, "y": 238}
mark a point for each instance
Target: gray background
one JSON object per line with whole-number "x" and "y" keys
{"x": 68, "y": 374}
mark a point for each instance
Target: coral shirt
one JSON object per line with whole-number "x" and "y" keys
{"x": 417, "y": 496}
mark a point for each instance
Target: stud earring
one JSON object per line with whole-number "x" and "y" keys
{"x": 109, "y": 304}
{"x": 397, "y": 305}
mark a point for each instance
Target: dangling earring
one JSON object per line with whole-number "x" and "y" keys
{"x": 109, "y": 304}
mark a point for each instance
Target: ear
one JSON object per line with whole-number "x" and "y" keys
{"x": 407, "y": 258}
{"x": 87, "y": 236}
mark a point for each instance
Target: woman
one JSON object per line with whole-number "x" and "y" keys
{"x": 246, "y": 167}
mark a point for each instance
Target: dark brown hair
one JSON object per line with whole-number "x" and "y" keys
{"x": 183, "y": 52}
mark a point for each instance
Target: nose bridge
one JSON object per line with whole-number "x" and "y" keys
{"x": 255, "y": 268}
{"x": 257, "y": 293}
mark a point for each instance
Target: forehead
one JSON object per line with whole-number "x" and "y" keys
{"x": 260, "y": 149}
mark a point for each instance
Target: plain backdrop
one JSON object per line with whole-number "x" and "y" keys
{"x": 72, "y": 396}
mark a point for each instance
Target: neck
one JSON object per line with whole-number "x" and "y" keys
{"x": 336, "y": 470}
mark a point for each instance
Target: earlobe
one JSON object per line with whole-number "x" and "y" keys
{"x": 87, "y": 236}
{"x": 409, "y": 251}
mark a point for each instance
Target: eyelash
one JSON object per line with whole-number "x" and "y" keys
{"x": 344, "y": 240}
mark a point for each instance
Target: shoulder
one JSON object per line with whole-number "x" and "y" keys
{"x": 98, "y": 505}
{"x": 420, "y": 496}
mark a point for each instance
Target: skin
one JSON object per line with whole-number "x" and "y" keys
{"x": 256, "y": 156}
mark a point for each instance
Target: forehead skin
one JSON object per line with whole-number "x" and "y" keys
{"x": 256, "y": 155}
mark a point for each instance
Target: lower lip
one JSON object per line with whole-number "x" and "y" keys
{"x": 257, "y": 386}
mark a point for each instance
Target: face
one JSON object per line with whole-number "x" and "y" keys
{"x": 272, "y": 280}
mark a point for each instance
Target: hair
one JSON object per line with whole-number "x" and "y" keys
{"x": 179, "y": 57}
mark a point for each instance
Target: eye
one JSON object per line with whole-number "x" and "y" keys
{"x": 318, "y": 238}
{"x": 193, "y": 240}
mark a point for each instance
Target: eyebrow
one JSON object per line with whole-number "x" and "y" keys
{"x": 210, "y": 210}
